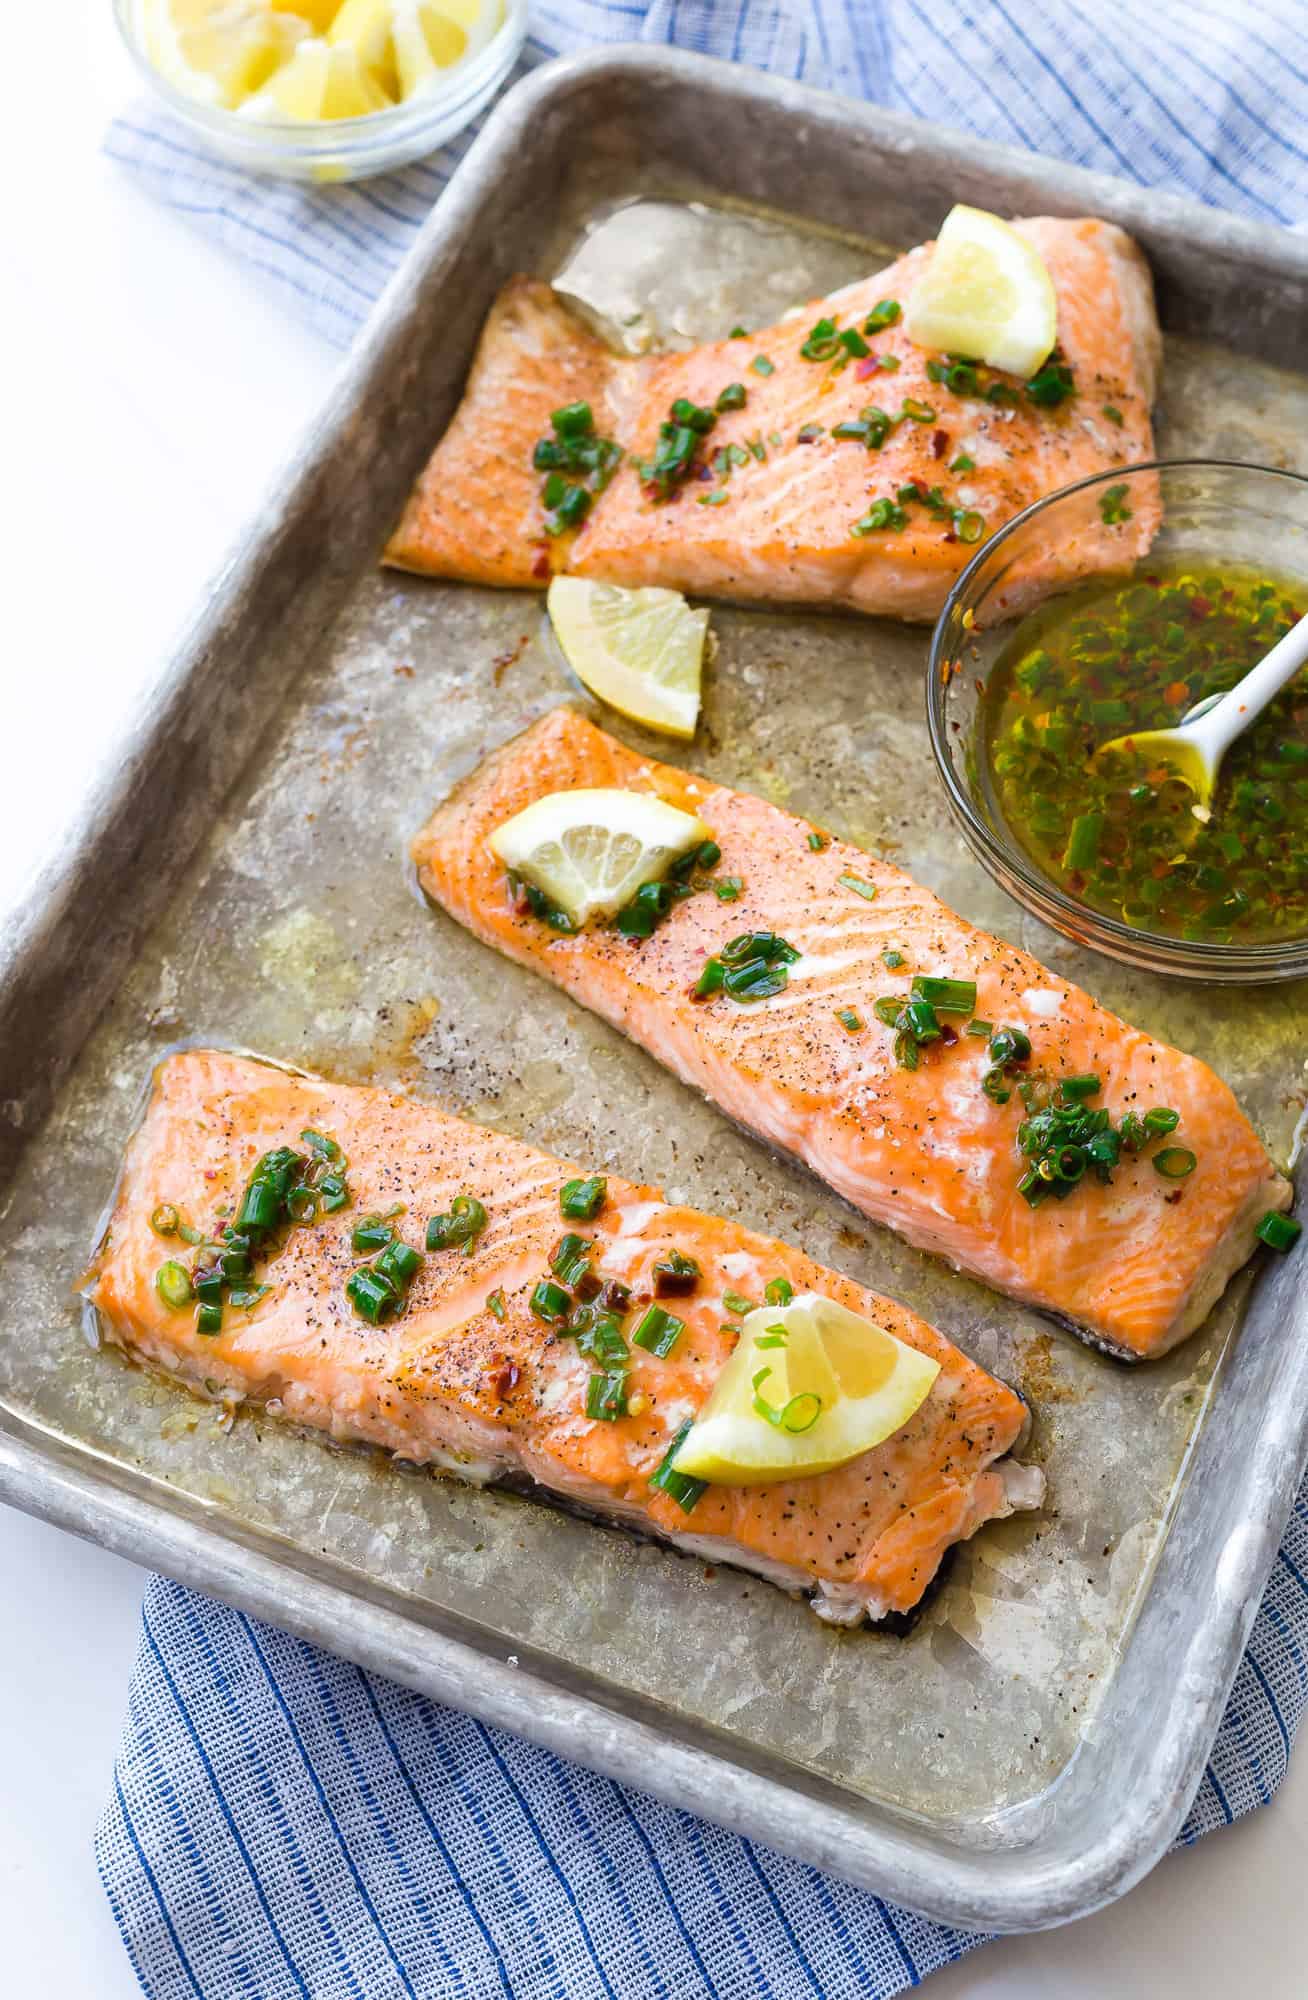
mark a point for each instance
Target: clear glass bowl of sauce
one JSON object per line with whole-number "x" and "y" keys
{"x": 1072, "y": 627}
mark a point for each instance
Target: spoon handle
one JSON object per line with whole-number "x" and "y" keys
{"x": 1248, "y": 698}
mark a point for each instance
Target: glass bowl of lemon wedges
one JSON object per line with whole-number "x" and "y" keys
{"x": 324, "y": 90}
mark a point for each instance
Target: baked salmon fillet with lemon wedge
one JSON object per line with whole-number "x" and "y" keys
{"x": 838, "y": 458}
{"x": 368, "y": 1266}
{"x": 938, "y": 1078}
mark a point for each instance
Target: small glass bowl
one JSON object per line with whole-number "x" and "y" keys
{"x": 347, "y": 149}
{"x": 1214, "y": 513}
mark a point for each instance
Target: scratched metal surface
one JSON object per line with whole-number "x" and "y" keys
{"x": 295, "y": 930}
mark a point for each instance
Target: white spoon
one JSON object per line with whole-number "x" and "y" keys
{"x": 1197, "y": 745}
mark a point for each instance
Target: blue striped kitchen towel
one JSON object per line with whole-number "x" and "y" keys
{"x": 282, "y": 1824}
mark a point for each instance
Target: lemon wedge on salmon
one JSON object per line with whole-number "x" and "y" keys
{"x": 589, "y": 851}
{"x": 986, "y": 293}
{"x": 809, "y": 1386}
{"x": 220, "y": 51}
{"x": 641, "y": 651}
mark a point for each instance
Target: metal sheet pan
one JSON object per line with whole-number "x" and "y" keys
{"x": 1030, "y": 1750}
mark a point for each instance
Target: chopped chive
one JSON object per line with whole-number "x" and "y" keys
{"x": 246, "y": 1297}
{"x": 817, "y": 841}
{"x": 399, "y": 1264}
{"x": 1161, "y": 1119}
{"x": 861, "y": 887}
{"x": 892, "y": 960}
{"x": 1113, "y": 414}
{"x": 734, "y": 1302}
{"x": 709, "y": 981}
{"x": 606, "y": 1397}
{"x": 372, "y": 1232}
{"x": 498, "y": 1305}
{"x": 570, "y": 1259}
{"x": 733, "y": 397}
{"x": 324, "y": 1147}
{"x": 885, "y": 313}
{"x": 465, "y": 1222}
{"x": 963, "y": 463}
{"x": 208, "y": 1319}
{"x": 1113, "y": 509}
{"x": 573, "y": 420}
{"x": 550, "y": 1302}
{"x": 778, "y": 1292}
{"x": 981, "y": 1029}
{"x": 1077, "y": 1088}
{"x": 582, "y": 1200}
{"x": 1083, "y": 841}
{"x": 1279, "y": 1232}
{"x": 848, "y": 1020}
{"x": 762, "y": 366}
{"x": 373, "y": 1297}
{"x": 658, "y": 1332}
{"x": 1175, "y": 1162}
{"x": 947, "y": 996}
{"x": 165, "y": 1221}
{"x": 727, "y": 888}
{"x": 996, "y": 1086}
{"x": 738, "y": 333}
{"x": 666, "y": 1479}
{"x": 1011, "y": 1045}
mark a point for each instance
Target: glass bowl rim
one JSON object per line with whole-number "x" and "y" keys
{"x": 304, "y": 141}
{"x": 1004, "y": 859}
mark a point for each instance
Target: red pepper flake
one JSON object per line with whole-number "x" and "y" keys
{"x": 541, "y": 566}
{"x": 1200, "y": 607}
{"x": 939, "y": 443}
{"x": 1176, "y": 692}
{"x": 503, "y": 1375}
{"x": 948, "y": 1035}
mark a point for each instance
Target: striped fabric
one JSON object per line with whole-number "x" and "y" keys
{"x": 281, "y": 1824}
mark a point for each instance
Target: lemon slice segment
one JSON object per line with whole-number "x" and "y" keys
{"x": 641, "y": 651}
{"x": 810, "y": 1386}
{"x": 986, "y": 293}
{"x": 219, "y": 51}
{"x": 321, "y": 82}
{"x": 589, "y": 851}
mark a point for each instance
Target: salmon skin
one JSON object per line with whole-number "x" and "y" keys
{"x": 467, "y": 1379}
{"x": 782, "y": 530}
{"x": 1134, "y": 1265}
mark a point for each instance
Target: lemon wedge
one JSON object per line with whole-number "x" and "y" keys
{"x": 589, "y": 851}
{"x": 641, "y": 651}
{"x": 319, "y": 83}
{"x": 810, "y": 1386}
{"x": 986, "y": 293}
{"x": 365, "y": 25}
{"x": 220, "y": 50}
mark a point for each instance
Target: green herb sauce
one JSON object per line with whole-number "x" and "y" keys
{"x": 1120, "y": 834}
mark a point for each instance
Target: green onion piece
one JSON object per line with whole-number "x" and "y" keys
{"x": 334, "y": 1192}
{"x": 887, "y": 1009}
{"x": 373, "y": 1297}
{"x": 498, "y": 1305}
{"x": 1010, "y": 1045}
{"x": 918, "y": 1019}
{"x": 658, "y": 1332}
{"x": 848, "y": 1020}
{"x": 1162, "y": 1119}
{"x": 778, "y": 1292}
{"x": 738, "y": 333}
{"x": 1083, "y": 840}
{"x": 817, "y": 841}
{"x": 735, "y": 1303}
{"x": 573, "y": 420}
{"x": 762, "y": 366}
{"x": 728, "y": 888}
{"x": 918, "y": 413}
{"x": 165, "y": 1221}
{"x": 1076, "y": 1088}
{"x": 885, "y": 313}
{"x": 963, "y": 463}
{"x": 666, "y": 1479}
{"x": 208, "y": 1319}
{"x": 1113, "y": 414}
{"x": 550, "y": 1302}
{"x": 246, "y": 1297}
{"x": 570, "y": 1259}
{"x": 907, "y": 1053}
{"x": 854, "y": 344}
{"x": 399, "y": 1264}
{"x": 371, "y": 1232}
{"x": 1113, "y": 509}
{"x": 892, "y": 960}
{"x": 1279, "y": 1232}
{"x": 709, "y": 981}
{"x": 981, "y": 1029}
{"x": 599, "y": 1337}
{"x": 733, "y": 397}
{"x": 1175, "y": 1162}
{"x": 861, "y": 887}
{"x": 319, "y": 1143}
{"x": 172, "y": 1281}
{"x": 822, "y": 343}
{"x": 606, "y": 1397}
{"x": 968, "y": 525}
{"x": 1052, "y": 385}
{"x": 947, "y": 996}
{"x": 302, "y": 1203}
{"x": 582, "y": 1200}
{"x": 460, "y": 1228}
{"x": 995, "y": 1086}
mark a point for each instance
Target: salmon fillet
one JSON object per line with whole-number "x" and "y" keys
{"x": 1135, "y": 1265}
{"x": 784, "y": 530}
{"x": 450, "y": 1384}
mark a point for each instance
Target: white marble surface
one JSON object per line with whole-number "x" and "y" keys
{"x": 153, "y": 389}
